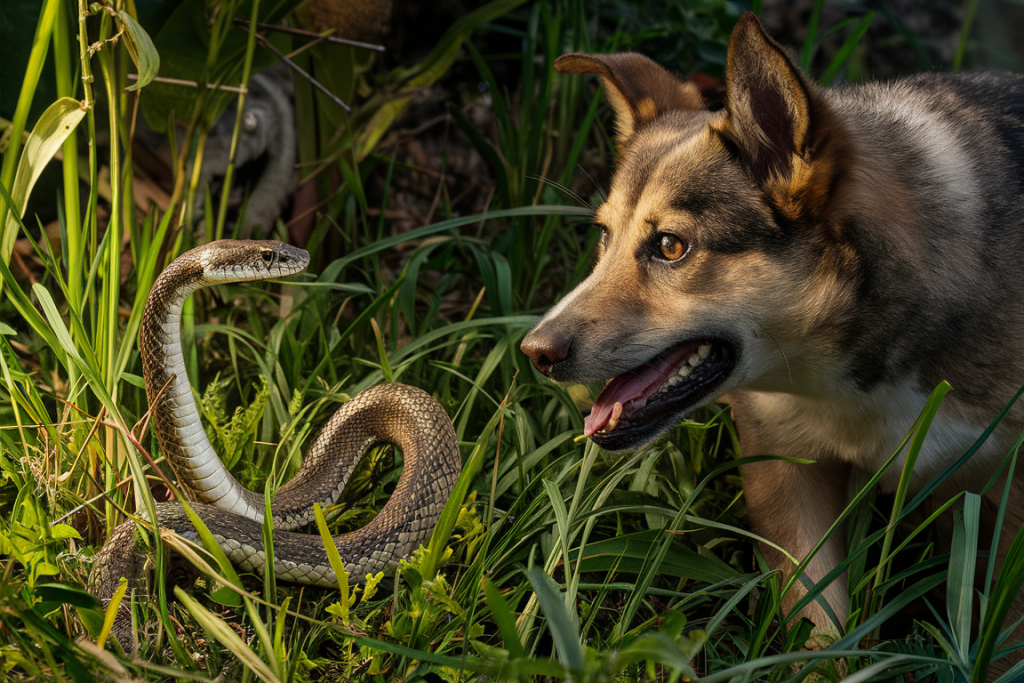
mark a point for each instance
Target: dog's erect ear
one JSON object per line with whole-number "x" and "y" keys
{"x": 639, "y": 89}
{"x": 768, "y": 101}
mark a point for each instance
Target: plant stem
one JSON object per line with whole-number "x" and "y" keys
{"x": 72, "y": 207}
{"x": 63, "y": 65}
{"x": 107, "y": 321}
{"x": 250, "y": 48}
{"x": 90, "y": 101}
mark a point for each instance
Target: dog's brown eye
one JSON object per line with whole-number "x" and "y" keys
{"x": 672, "y": 247}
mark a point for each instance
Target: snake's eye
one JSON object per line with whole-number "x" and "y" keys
{"x": 267, "y": 255}
{"x": 672, "y": 248}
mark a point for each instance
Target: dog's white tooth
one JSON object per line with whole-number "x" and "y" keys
{"x": 673, "y": 380}
{"x": 704, "y": 350}
{"x": 694, "y": 360}
{"x": 684, "y": 371}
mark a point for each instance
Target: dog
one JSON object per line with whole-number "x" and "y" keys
{"x": 819, "y": 259}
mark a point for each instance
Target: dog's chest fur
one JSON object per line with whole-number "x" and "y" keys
{"x": 865, "y": 429}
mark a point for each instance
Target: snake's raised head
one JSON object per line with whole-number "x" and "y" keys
{"x": 241, "y": 260}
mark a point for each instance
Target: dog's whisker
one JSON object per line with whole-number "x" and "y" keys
{"x": 597, "y": 187}
{"x": 557, "y": 185}
{"x": 779, "y": 347}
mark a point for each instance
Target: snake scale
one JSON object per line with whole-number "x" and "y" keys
{"x": 408, "y": 418}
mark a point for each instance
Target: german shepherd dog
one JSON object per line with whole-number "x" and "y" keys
{"x": 819, "y": 259}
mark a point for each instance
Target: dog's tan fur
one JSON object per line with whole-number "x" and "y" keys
{"x": 857, "y": 246}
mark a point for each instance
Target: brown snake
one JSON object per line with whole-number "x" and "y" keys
{"x": 406, "y": 417}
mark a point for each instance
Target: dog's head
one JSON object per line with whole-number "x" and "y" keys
{"x": 715, "y": 268}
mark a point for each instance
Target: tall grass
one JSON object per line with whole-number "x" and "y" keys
{"x": 551, "y": 559}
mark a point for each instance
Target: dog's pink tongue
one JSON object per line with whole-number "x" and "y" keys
{"x": 631, "y": 389}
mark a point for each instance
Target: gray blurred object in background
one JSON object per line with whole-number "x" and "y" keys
{"x": 265, "y": 158}
{"x": 264, "y": 178}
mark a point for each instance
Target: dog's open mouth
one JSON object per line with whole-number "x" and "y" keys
{"x": 639, "y": 404}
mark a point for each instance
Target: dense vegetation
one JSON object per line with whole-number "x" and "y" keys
{"x": 552, "y": 559}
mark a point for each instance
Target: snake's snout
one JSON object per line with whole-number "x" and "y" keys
{"x": 289, "y": 259}
{"x": 247, "y": 260}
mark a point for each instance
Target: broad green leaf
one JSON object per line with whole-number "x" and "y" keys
{"x": 62, "y": 593}
{"x": 59, "y": 531}
{"x": 45, "y": 569}
{"x": 142, "y": 50}
{"x": 50, "y": 132}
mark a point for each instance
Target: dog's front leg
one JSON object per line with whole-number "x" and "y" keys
{"x": 793, "y": 506}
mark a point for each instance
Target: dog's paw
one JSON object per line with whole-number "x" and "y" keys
{"x": 821, "y": 638}
{"x": 827, "y": 669}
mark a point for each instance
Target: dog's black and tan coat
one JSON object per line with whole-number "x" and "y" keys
{"x": 820, "y": 260}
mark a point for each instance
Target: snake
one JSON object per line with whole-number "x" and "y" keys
{"x": 406, "y": 417}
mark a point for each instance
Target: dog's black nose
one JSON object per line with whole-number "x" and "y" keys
{"x": 545, "y": 347}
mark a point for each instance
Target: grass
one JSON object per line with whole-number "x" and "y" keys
{"x": 550, "y": 561}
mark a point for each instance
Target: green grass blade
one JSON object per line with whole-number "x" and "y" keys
{"x": 332, "y": 271}
{"x": 892, "y": 608}
{"x": 970, "y": 10}
{"x": 1014, "y": 674}
{"x": 731, "y": 603}
{"x": 925, "y": 492}
{"x": 111, "y": 612}
{"x": 807, "y": 53}
{"x": 963, "y": 556}
{"x": 503, "y": 617}
{"x": 920, "y": 432}
{"x": 222, "y": 632}
{"x": 561, "y": 624}
{"x": 212, "y": 547}
{"x": 1006, "y": 588}
{"x": 561, "y": 519}
{"x": 843, "y": 56}
{"x": 335, "y": 558}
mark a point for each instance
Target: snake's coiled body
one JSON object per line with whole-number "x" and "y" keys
{"x": 403, "y": 416}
